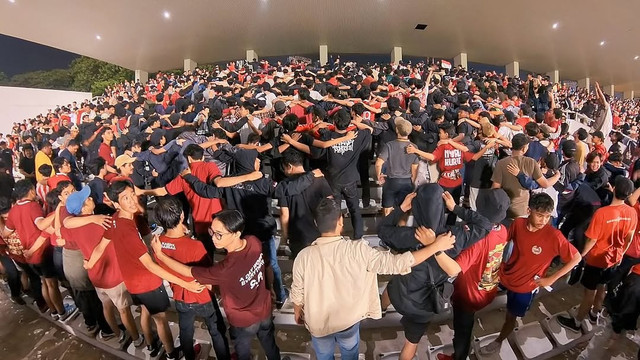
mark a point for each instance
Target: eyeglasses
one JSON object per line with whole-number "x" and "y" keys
{"x": 217, "y": 235}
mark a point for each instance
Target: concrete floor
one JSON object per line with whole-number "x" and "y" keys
{"x": 25, "y": 335}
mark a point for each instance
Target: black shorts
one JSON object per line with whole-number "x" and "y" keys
{"x": 413, "y": 331}
{"x": 394, "y": 191}
{"x": 46, "y": 268}
{"x": 593, "y": 276}
{"x": 156, "y": 301}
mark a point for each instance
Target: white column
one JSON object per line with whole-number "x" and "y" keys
{"x": 630, "y": 94}
{"x": 251, "y": 55}
{"x": 609, "y": 89}
{"x": 554, "y": 76}
{"x": 460, "y": 59}
{"x": 324, "y": 54}
{"x": 513, "y": 69}
{"x": 396, "y": 54}
{"x": 585, "y": 83}
{"x": 141, "y": 76}
{"x": 190, "y": 65}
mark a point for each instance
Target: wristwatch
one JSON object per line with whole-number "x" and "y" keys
{"x": 438, "y": 253}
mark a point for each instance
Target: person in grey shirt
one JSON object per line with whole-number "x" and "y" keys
{"x": 401, "y": 168}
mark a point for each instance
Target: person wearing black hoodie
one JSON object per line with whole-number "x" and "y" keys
{"x": 414, "y": 295}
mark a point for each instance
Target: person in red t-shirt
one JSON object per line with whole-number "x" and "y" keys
{"x": 535, "y": 245}
{"x": 450, "y": 157}
{"x": 142, "y": 276}
{"x": 62, "y": 168}
{"x": 608, "y": 238}
{"x": 632, "y": 256}
{"x": 179, "y": 246}
{"x": 104, "y": 272}
{"x": 478, "y": 266}
{"x": 107, "y": 153}
{"x": 241, "y": 279}
{"x": 597, "y": 139}
{"x": 26, "y": 218}
{"x": 202, "y": 208}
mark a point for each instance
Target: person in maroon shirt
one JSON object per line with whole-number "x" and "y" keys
{"x": 142, "y": 276}
{"x": 62, "y": 168}
{"x": 241, "y": 279}
{"x": 107, "y": 153}
{"x": 181, "y": 247}
{"x": 477, "y": 269}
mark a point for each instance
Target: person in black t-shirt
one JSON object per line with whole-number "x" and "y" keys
{"x": 296, "y": 211}
{"x": 342, "y": 165}
{"x": 6, "y": 155}
{"x": 27, "y": 164}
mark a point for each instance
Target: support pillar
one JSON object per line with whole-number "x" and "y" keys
{"x": 585, "y": 83}
{"x": 396, "y": 54}
{"x": 513, "y": 69}
{"x": 609, "y": 89}
{"x": 252, "y": 55}
{"x": 190, "y": 65}
{"x": 324, "y": 55}
{"x": 554, "y": 76}
{"x": 460, "y": 60}
{"x": 630, "y": 94}
{"x": 141, "y": 76}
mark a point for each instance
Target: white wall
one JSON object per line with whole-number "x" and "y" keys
{"x": 17, "y": 104}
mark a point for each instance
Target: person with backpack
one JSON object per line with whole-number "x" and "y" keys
{"x": 428, "y": 280}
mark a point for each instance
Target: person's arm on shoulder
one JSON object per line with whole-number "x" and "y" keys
{"x": 96, "y": 254}
{"x": 157, "y": 270}
{"x": 412, "y": 149}
{"x": 326, "y": 144}
{"x": 458, "y": 146}
{"x": 235, "y": 180}
{"x": 73, "y": 222}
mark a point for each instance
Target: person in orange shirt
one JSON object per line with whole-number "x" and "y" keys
{"x": 608, "y": 238}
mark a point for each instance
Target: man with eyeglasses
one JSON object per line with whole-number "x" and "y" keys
{"x": 241, "y": 279}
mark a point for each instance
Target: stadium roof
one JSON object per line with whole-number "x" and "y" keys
{"x": 139, "y": 35}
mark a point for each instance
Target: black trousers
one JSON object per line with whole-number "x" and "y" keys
{"x": 463, "y": 329}
{"x": 363, "y": 169}
{"x": 455, "y": 193}
{"x": 350, "y": 194}
{"x": 35, "y": 285}
{"x": 91, "y": 308}
{"x": 13, "y": 275}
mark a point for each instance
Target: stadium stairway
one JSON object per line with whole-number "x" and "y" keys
{"x": 538, "y": 335}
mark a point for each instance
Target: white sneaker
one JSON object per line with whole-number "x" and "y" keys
{"x": 490, "y": 348}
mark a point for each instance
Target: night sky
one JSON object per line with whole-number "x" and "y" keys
{"x": 18, "y": 56}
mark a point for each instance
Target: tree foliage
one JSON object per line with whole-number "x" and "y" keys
{"x": 83, "y": 74}
{"x": 95, "y": 75}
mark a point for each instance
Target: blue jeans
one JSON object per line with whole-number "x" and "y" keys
{"x": 348, "y": 341}
{"x": 210, "y": 313}
{"x": 242, "y": 337}
{"x": 272, "y": 254}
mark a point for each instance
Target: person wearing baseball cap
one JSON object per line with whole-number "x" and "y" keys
{"x": 124, "y": 166}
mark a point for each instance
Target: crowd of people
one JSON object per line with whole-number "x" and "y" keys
{"x": 172, "y": 180}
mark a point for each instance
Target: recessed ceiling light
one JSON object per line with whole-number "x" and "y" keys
{"x": 602, "y": 43}
{"x": 166, "y": 14}
{"x": 98, "y": 37}
{"x": 636, "y": 58}
{"x": 555, "y": 25}
{"x": 12, "y": 1}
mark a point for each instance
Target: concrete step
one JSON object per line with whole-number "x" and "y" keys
{"x": 531, "y": 341}
{"x": 506, "y": 351}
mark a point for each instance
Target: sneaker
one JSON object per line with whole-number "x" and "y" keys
{"x": 139, "y": 341}
{"x": 175, "y": 354}
{"x": 18, "y": 300}
{"x": 196, "y": 349}
{"x": 490, "y": 349}
{"x": 54, "y": 315}
{"x": 593, "y": 317}
{"x": 69, "y": 311}
{"x": 570, "y": 323}
{"x": 105, "y": 336}
{"x": 444, "y": 357}
{"x": 42, "y": 308}
{"x": 155, "y": 348}
{"x": 91, "y": 329}
{"x": 124, "y": 337}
